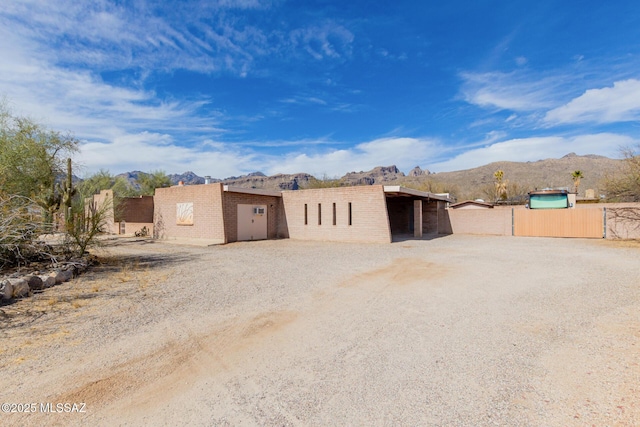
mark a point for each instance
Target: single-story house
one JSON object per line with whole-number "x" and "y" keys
{"x": 221, "y": 214}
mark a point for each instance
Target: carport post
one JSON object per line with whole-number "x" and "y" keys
{"x": 417, "y": 218}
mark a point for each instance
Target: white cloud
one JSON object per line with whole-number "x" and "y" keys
{"x": 329, "y": 40}
{"x": 515, "y": 91}
{"x": 536, "y": 148}
{"x": 405, "y": 153}
{"x": 521, "y": 60}
{"x": 103, "y": 35}
{"x": 151, "y": 151}
{"x": 619, "y": 103}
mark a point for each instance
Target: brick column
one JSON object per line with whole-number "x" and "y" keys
{"x": 417, "y": 218}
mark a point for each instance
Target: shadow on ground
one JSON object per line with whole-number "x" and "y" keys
{"x": 403, "y": 237}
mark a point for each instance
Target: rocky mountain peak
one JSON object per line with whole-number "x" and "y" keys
{"x": 417, "y": 171}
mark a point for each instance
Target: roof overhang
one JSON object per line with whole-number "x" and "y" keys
{"x": 471, "y": 203}
{"x": 255, "y": 191}
{"x": 399, "y": 191}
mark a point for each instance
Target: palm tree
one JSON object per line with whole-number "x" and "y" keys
{"x": 576, "y": 176}
{"x": 501, "y": 186}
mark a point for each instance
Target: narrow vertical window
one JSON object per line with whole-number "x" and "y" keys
{"x": 334, "y": 214}
{"x": 319, "y": 213}
{"x": 305, "y": 215}
{"x": 350, "y": 216}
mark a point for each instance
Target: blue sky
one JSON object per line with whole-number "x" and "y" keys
{"x": 229, "y": 87}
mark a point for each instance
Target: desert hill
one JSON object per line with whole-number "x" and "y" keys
{"x": 464, "y": 184}
{"x": 548, "y": 173}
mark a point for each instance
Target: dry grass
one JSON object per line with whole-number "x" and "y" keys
{"x": 623, "y": 243}
{"x": 43, "y": 321}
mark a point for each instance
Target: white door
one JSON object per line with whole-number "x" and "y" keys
{"x": 252, "y": 222}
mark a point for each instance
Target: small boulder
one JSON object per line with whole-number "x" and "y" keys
{"x": 35, "y": 283}
{"x": 6, "y": 290}
{"x": 20, "y": 288}
{"x": 48, "y": 281}
{"x": 63, "y": 276}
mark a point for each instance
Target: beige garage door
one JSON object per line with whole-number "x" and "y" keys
{"x": 252, "y": 222}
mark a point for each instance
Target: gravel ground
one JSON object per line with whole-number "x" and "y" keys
{"x": 455, "y": 331}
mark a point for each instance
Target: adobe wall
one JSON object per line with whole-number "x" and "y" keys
{"x": 496, "y": 221}
{"x": 208, "y": 222}
{"x": 231, "y": 201}
{"x": 369, "y": 221}
{"x": 104, "y": 200}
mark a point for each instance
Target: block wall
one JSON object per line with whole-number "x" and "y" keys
{"x": 496, "y": 221}
{"x": 369, "y": 221}
{"x": 232, "y": 200}
{"x": 430, "y": 218}
{"x": 208, "y": 221}
{"x": 400, "y": 210}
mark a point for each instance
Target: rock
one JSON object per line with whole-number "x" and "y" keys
{"x": 48, "y": 281}
{"x": 377, "y": 175}
{"x": 35, "y": 283}
{"x": 20, "y": 288}
{"x": 63, "y": 276}
{"x": 6, "y": 290}
{"x": 418, "y": 172}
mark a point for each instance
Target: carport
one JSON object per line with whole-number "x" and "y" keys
{"x": 414, "y": 212}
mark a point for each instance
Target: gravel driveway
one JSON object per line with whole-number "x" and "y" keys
{"x": 456, "y": 331}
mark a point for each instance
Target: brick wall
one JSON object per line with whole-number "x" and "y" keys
{"x": 368, "y": 213}
{"x": 208, "y": 222}
{"x": 496, "y": 221}
{"x": 400, "y": 211}
{"x": 231, "y": 201}
{"x": 430, "y": 216}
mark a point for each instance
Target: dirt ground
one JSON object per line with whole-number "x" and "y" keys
{"x": 457, "y": 330}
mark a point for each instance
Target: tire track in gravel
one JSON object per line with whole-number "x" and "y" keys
{"x": 172, "y": 367}
{"x": 156, "y": 378}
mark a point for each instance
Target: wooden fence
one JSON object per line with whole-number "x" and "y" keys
{"x": 559, "y": 222}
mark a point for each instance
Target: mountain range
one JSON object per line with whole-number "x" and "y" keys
{"x": 464, "y": 184}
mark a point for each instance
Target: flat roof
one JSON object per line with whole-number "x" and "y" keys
{"x": 471, "y": 202}
{"x": 397, "y": 190}
{"x": 256, "y": 191}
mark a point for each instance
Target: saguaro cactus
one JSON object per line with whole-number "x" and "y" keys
{"x": 67, "y": 197}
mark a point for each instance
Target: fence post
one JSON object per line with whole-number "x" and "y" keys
{"x": 512, "y": 223}
{"x": 604, "y": 221}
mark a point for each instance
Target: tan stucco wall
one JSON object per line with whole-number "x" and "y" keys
{"x": 368, "y": 211}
